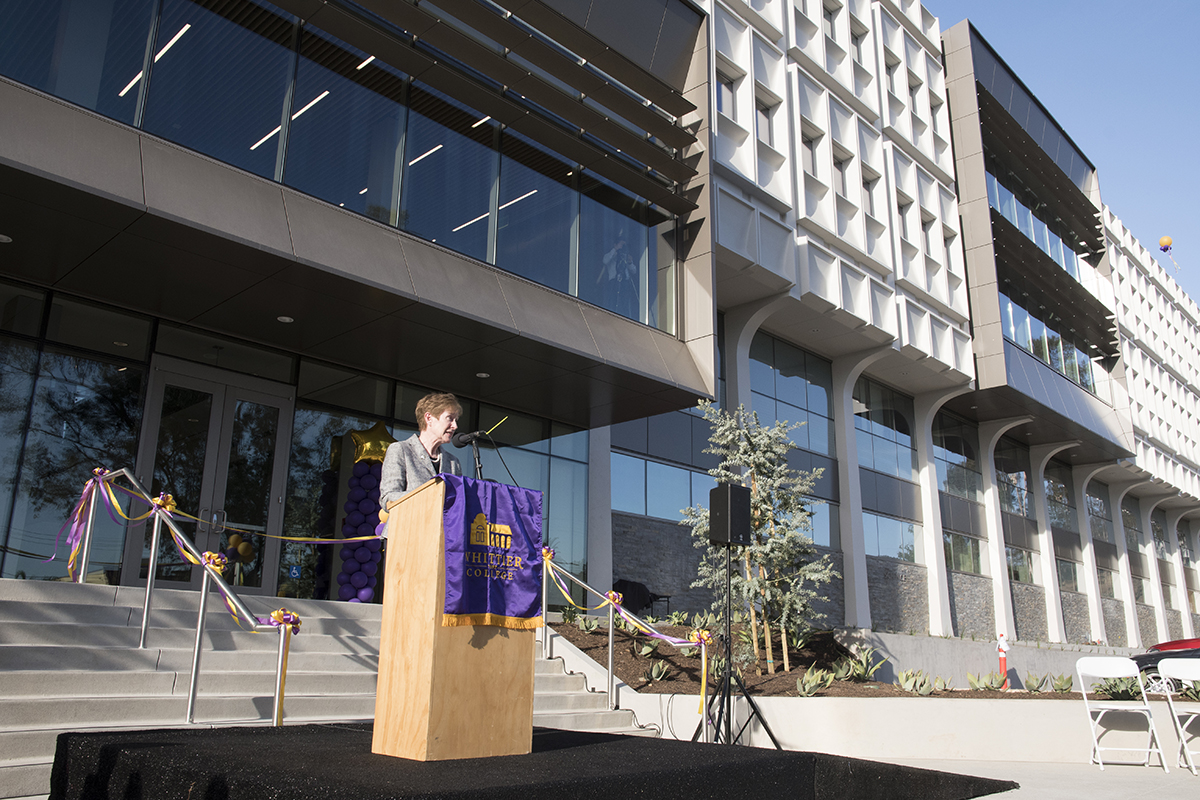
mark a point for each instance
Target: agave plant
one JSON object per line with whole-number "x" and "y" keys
{"x": 588, "y": 624}
{"x": 1119, "y": 688}
{"x": 992, "y": 682}
{"x": 657, "y": 672}
{"x": 1063, "y": 683}
{"x": 648, "y": 647}
{"x": 1191, "y": 692}
{"x": 915, "y": 682}
{"x": 813, "y": 680}
{"x": 1036, "y": 684}
{"x": 677, "y": 618}
{"x": 860, "y": 667}
{"x": 569, "y": 615}
{"x": 941, "y": 684}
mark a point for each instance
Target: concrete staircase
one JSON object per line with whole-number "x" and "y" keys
{"x": 69, "y": 662}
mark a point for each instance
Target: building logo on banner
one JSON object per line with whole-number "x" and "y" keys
{"x": 493, "y": 554}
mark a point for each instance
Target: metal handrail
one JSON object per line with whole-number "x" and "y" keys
{"x": 612, "y": 703}
{"x": 210, "y": 575}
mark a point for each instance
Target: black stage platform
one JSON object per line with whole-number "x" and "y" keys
{"x": 335, "y": 762}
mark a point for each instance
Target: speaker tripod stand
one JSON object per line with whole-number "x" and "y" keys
{"x": 721, "y": 699}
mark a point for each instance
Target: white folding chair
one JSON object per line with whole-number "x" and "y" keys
{"x": 1104, "y": 667}
{"x": 1180, "y": 670}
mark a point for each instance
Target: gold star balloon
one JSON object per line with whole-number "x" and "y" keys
{"x": 371, "y": 444}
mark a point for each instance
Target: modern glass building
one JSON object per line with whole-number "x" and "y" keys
{"x": 236, "y": 232}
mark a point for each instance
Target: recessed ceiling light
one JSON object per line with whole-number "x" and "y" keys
{"x": 121, "y": 344}
{"x": 5, "y": 239}
{"x": 285, "y": 319}
{"x": 483, "y": 374}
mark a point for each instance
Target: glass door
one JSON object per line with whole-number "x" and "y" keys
{"x": 217, "y": 442}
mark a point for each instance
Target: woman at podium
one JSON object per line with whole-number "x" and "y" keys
{"x": 417, "y": 459}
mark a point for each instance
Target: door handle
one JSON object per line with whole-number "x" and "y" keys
{"x": 201, "y": 525}
{"x": 218, "y": 520}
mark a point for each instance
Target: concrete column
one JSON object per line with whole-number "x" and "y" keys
{"x": 1039, "y": 457}
{"x": 741, "y": 323}
{"x": 934, "y": 554}
{"x": 1116, "y": 496}
{"x": 599, "y": 509}
{"x": 1181, "y": 599}
{"x": 989, "y": 437}
{"x": 1154, "y": 596}
{"x": 1081, "y": 475}
{"x": 854, "y": 558}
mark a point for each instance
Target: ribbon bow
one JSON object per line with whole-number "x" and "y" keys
{"x": 164, "y": 501}
{"x": 218, "y": 561}
{"x": 281, "y": 617}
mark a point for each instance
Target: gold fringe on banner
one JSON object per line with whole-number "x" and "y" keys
{"x": 498, "y": 620}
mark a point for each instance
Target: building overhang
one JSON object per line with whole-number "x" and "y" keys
{"x": 100, "y": 210}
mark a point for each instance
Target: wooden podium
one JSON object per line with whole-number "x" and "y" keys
{"x": 443, "y": 692}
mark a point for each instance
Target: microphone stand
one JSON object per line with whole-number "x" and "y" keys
{"x": 478, "y": 463}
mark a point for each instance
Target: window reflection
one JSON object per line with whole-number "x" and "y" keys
{"x": 85, "y": 414}
{"x": 52, "y": 45}
{"x": 449, "y": 172}
{"x": 345, "y": 133}
{"x": 537, "y": 210}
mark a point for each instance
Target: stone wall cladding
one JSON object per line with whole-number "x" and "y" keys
{"x": 1174, "y": 624}
{"x": 971, "y": 608}
{"x": 1077, "y": 620}
{"x": 1029, "y": 612}
{"x": 832, "y": 603}
{"x": 1196, "y": 622}
{"x": 1146, "y": 625}
{"x": 899, "y": 593}
{"x": 659, "y": 554}
{"x": 1114, "y": 622}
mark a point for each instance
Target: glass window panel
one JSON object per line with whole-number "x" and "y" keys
{"x": 820, "y": 518}
{"x": 764, "y": 406}
{"x": 993, "y": 191}
{"x": 702, "y": 485}
{"x": 866, "y": 450}
{"x": 1008, "y": 205}
{"x": 887, "y": 457}
{"x": 220, "y": 88}
{"x": 224, "y": 353}
{"x": 662, "y": 261}
{"x": 347, "y": 124}
{"x": 1070, "y": 366}
{"x": 1021, "y": 333}
{"x": 566, "y": 513}
{"x": 1084, "y": 366}
{"x": 762, "y": 364}
{"x": 18, "y": 369}
{"x": 514, "y": 428}
{"x": 248, "y": 485}
{"x": 528, "y": 470}
{"x": 791, "y": 385}
{"x": 870, "y": 534}
{"x": 96, "y": 328}
{"x": 891, "y": 537}
{"x": 85, "y": 414}
{"x": 1054, "y": 350}
{"x": 791, "y": 414}
{"x": 310, "y": 504}
{"x": 820, "y": 384}
{"x": 612, "y": 248}
{"x": 568, "y": 443}
{"x": 1108, "y": 587}
{"x": 449, "y": 170}
{"x": 1041, "y": 235}
{"x": 1037, "y": 335}
{"x": 537, "y": 210}
{"x": 668, "y": 490}
{"x": 1024, "y": 220}
{"x": 628, "y": 484}
{"x": 820, "y": 434}
{"x": 21, "y": 309}
{"x": 1066, "y": 576}
{"x": 1056, "y": 248}
{"x": 88, "y": 52}
{"x": 1070, "y": 261}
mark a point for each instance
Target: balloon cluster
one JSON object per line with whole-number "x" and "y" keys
{"x": 239, "y": 549}
{"x": 360, "y": 560}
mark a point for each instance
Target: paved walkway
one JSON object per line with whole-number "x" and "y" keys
{"x": 1075, "y": 781}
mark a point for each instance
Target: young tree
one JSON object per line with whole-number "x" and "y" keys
{"x": 780, "y": 572}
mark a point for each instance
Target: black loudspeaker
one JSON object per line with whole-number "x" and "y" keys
{"x": 729, "y": 515}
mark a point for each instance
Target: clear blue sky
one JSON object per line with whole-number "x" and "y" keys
{"x": 1123, "y": 79}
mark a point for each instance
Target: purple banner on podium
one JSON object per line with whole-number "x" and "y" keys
{"x": 493, "y": 554}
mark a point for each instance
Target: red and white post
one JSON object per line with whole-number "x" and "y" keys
{"x": 1002, "y": 649}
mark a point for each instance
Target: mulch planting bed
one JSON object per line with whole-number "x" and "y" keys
{"x": 822, "y": 650}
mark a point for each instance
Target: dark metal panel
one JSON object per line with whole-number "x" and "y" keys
{"x": 632, "y": 435}
{"x": 374, "y": 41}
{"x": 1137, "y": 565}
{"x": 1067, "y": 544}
{"x": 47, "y": 243}
{"x": 670, "y": 436}
{"x": 546, "y": 316}
{"x": 451, "y": 282}
{"x": 1106, "y": 555}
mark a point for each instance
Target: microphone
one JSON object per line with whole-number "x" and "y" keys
{"x": 460, "y": 439}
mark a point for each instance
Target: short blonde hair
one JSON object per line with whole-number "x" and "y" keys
{"x": 436, "y": 404}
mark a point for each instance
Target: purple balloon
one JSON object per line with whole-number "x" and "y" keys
{"x": 357, "y": 495}
{"x": 347, "y": 552}
{"x": 374, "y": 494}
{"x": 376, "y": 557}
{"x": 353, "y": 482}
{"x": 358, "y": 580}
{"x": 351, "y": 566}
{"x": 372, "y": 581}
{"x": 355, "y": 600}
{"x": 355, "y": 518}
{"x": 366, "y": 595}
{"x": 342, "y": 578}
{"x": 362, "y": 555}
{"x": 377, "y": 469}
{"x": 369, "y": 568}
{"x": 349, "y": 530}
{"x": 379, "y": 529}
{"x": 362, "y": 468}
{"x": 349, "y": 506}
{"x": 366, "y": 529}
{"x": 346, "y": 592}
{"x": 374, "y": 545}
{"x": 367, "y": 506}
{"x": 368, "y": 482}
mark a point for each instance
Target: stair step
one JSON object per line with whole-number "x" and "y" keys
{"x": 584, "y": 720}
{"x": 45, "y": 684}
{"x": 568, "y": 701}
{"x": 27, "y": 657}
{"x": 25, "y": 780}
{"x": 333, "y": 639}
